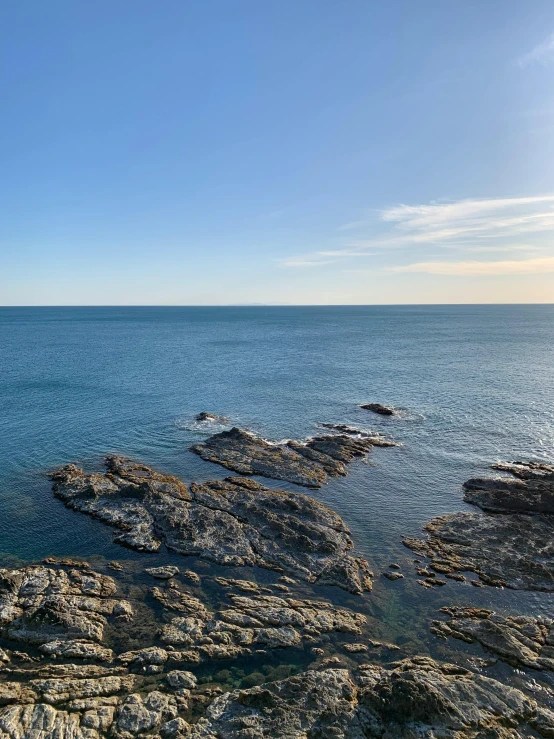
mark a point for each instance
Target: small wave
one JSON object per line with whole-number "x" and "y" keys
{"x": 202, "y": 427}
{"x": 403, "y": 414}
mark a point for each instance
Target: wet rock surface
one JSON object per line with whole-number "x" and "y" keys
{"x": 163, "y": 573}
{"x": 232, "y": 522}
{"x": 418, "y": 698}
{"x": 517, "y": 640}
{"x": 68, "y": 678}
{"x": 510, "y": 543}
{"x": 302, "y": 463}
{"x": 247, "y": 622}
{"x": 382, "y": 410}
{"x": 62, "y": 612}
{"x": 532, "y": 490}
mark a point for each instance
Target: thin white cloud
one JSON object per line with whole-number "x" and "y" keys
{"x": 543, "y": 54}
{"x": 462, "y": 223}
{"x": 353, "y": 225}
{"x": 473, "y": 224}
{"x": 300, "y": 262}
{"x": 474, "y": 269}
{"x": 484, "y": 218}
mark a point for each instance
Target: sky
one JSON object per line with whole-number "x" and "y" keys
{"x": 209, "y": 152}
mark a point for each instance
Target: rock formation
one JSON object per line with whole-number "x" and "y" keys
{"x": 232, "y": 522}
{"x": 248, "y": 623}
{"x": 382, "y": 410}
{"x": 302, "y": 463}
{"x": 65, "y": 677}
{"x": 512, "y": 547}
{"x": 63, "y": 613}
{"x": 531, "y": 492}
{"x": 417, "y": 698}
{"x": 518, "y": 640}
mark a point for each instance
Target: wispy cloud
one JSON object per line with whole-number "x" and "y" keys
{"x": 474, "y": 219}
{"x": 353, "y": 225}
{"x": 475, "y": 269}
{"x": 474, "y": 224}
{"x": 463, "y": 223}
{"x": 301, "y": 262}
{"x": 543, "y": 53}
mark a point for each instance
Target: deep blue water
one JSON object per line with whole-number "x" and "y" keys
{"x": 476, "y": 383}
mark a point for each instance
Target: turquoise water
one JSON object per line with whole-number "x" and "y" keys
{"x": 476, "y": 383}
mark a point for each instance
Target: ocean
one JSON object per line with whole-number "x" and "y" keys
{"x": 475, "y": 385}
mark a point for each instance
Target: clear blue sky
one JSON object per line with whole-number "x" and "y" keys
{"x": 276, "y": 151}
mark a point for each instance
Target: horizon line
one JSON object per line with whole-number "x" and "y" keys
{"x": 271, "y": 305}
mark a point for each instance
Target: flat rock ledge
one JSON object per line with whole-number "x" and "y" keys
{"x": 511, "y": 542}
{"x": 521, "y": 641}
{"x": 303, "y": 463}
{"x": 232, "y": 522}
{"x": 417, "y": 698}
{"x": 532, "y": 490}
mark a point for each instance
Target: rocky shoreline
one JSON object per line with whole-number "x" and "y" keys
{"x": 86, "y": 654}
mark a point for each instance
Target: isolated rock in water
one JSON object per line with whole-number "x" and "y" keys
{"x": 419, "y": 697}
{"x": 232, "y": 522}
{"x": 382, "y": 410}
{"x": 210, "y": 417}
{"x": 375, "y": 438}
{"x": 518, "y": 640}
{"x": 512, "y": 546}
{"x": 343, "y": 428}
{"x": 532, "y": 492}
{"x": 302, "y": 463}
{"x": 247, "y": 454}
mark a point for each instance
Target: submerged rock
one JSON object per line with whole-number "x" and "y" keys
{"x": 512, "y": 547}
{"x": 233, "y": 522}
{"x": 250, "y": 622}
{"x": 382, "y": 410}
{"x": 163, "y": 573}
{"x": 518, "y": 640}
{"x": 302, "y": 463}
{"x": 418, "y": 697}
{"x": 344, "y": 429}
{"x": 392, "y": 575}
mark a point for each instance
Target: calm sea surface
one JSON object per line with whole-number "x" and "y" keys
{"x": 476, "y": 383}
